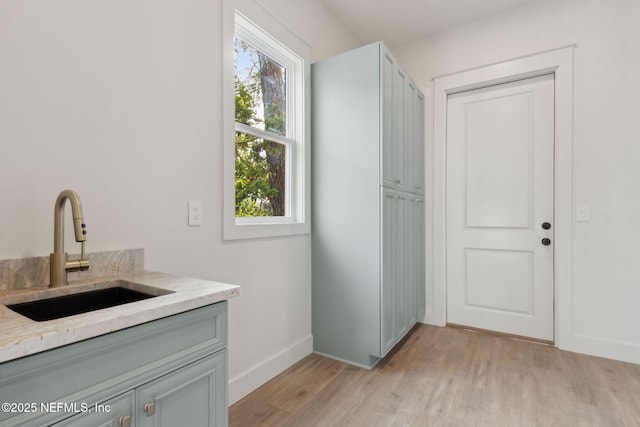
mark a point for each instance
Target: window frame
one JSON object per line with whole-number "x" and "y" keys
{"x": 257, "y": 27}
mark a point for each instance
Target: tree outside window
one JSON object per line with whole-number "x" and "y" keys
{"x": 261, "y": 146}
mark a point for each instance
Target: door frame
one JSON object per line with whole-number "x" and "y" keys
{"x": 560, "y": 63}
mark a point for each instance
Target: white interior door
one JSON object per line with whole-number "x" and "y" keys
{"x": 500, "y": 143}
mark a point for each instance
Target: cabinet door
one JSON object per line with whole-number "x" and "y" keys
{"x": 388, "y": 146}
{"x": 401, "y": 264}
{"x": 408, "y": 143}
{"x": 420, "y": 254}
{"x": 193, "y": 396}
{"x": 116, "y": 412}
{"x": 398, "y": 125}
{"x": 400, "y": 231}
{"x": 389, "y": 246}
{"x": 410, "y": 261}
{"x": 396, "y": 291}
{"x": 414, "y": 285}
{"x": 418, "y": 141}
{"x": 403, "y": 299}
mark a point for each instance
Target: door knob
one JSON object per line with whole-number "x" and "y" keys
{"x": 546, "y": 225}
{"x": 546, "y": 241}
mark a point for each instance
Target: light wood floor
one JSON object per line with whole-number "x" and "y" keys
{"x": 450, "y": 377}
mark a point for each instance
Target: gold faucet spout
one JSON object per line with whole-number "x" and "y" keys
{"x": 59, "y": 263}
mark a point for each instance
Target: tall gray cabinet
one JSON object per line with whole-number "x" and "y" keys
{"x": 368, "y": 205}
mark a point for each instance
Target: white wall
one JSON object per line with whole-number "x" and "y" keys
{"x": 121, "y": 101}
{"x": 606, "y": 267}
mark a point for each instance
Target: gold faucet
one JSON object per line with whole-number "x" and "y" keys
{"x": 59, "y": 264}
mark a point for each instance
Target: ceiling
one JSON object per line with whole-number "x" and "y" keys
{"x": 399, "y": 21}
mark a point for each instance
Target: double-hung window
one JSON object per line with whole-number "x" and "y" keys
{"x": 266, "y": 158}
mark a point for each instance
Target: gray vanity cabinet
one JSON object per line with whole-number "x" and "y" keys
{"x": 368, "y": 205}
{"x": 168, "y": 372}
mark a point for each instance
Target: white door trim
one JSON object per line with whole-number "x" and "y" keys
{"x": 559, "y": 62}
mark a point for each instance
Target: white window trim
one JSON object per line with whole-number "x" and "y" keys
{"x": 249, "y": 13}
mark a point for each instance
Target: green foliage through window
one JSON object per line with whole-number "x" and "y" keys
{"x": 260, "y": 164}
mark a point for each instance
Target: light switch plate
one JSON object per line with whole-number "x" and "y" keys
{"x": 195, "y": 212}
{"x": 582, "y": 213}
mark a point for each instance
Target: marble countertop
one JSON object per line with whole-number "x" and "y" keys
{"x": 20, "y": 336}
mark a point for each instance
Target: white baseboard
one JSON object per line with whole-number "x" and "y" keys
{"x": 431, "y": 318}
{"x": 251, "y": 379}
{"x": 603, "y": 347}
{"x": 348, "y": 362}
{"x": 586, "y": 344}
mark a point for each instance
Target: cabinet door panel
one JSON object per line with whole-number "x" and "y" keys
{"x": 192, "y": 396}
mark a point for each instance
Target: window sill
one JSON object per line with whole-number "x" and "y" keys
{"x": 253, "y": 230}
